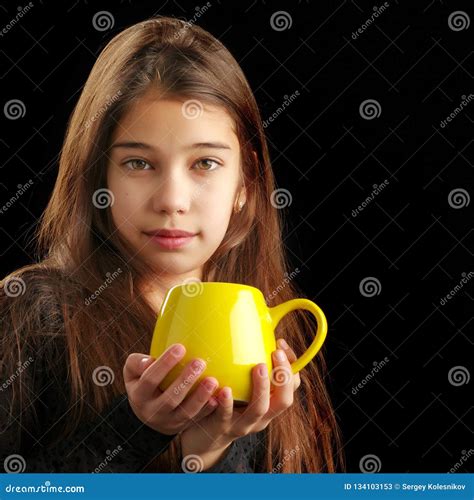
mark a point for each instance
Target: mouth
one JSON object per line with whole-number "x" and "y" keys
{"x": 171, "y": 239}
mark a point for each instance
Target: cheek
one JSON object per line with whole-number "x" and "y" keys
{"x": 127, "y": 203}
{"x": 216, "y": 210}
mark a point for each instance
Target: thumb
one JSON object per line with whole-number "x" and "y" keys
{"x": 145, "y": 362}
{"x": 135, "y": 365}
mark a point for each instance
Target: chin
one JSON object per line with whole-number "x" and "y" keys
{"x": 171, "y": 264}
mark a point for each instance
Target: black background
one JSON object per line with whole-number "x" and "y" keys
{"x": 328, "y": 157}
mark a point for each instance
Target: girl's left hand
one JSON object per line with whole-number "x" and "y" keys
{"x": 270, "y": 397}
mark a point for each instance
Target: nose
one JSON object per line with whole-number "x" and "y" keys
{"x": 171, "y": 196}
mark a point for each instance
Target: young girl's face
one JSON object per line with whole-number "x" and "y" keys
{"x": 174, "y": 165}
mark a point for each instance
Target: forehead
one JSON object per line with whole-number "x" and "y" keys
{"x": 172, "y": 123}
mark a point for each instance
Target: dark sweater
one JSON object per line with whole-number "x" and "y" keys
{"x": 115, "y": 441}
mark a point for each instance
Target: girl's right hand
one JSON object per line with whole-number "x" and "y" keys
{"x": 168, "y": 412}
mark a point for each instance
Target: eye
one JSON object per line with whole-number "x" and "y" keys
{"x": 207, "y": 162}
{"x": 137, "y": 164}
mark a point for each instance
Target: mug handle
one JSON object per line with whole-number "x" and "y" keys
{"x": 280, "y": 310}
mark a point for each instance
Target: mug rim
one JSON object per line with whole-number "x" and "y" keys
{"x": 240, "y": 285}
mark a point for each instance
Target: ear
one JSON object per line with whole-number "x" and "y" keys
{"x": 241, "y": 195}
{"x": 243, "y": 191}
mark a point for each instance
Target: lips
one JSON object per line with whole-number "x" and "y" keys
{"x": 171, "y": 239}
{"x": 170, "y": 233}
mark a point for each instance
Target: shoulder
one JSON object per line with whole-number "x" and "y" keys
{"x": 32, "y": 342}
{"x": 33, "y": 283}
{"x": 33, "y": 297}
{"x": 31, "y": 308}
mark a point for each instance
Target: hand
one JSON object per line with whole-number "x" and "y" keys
{"x": 167, "y": 412}
{"x": 282, "y": 344}
{"x": 212, "y": 434}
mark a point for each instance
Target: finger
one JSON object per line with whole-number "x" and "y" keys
{"x": 282, "y": 381}
{"x": 135, "y": 365}
{"x": 152, "y": 377}
{"x": 174, "y": 395}
{"x": 195, "y": 401}
{"x": 259, "y": 404}
{"x": 297, "y": 381}
{"x": 207, "y": 410}
{"x": 291, "y": 355}
{"x": 225, "y": 410}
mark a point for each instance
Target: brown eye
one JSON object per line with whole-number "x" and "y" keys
{"x": 137, "y": 164}
{"x": 208, "y": 163}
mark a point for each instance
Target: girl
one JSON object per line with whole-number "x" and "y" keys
{"x": 166, "y": 136}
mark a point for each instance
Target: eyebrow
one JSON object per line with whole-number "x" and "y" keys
{"x": 197, "y": 145}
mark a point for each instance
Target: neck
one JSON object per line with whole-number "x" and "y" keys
{"x": 155, "y": 290}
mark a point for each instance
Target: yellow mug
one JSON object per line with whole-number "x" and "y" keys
{"x": 229, "y": 326}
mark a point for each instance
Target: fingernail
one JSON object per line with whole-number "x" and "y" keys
{"x": 280, "y": 355}
{"x": 144, "y": 360}
{"x": 282, "y": 343}
{"x": 197, "y": 365}
{"x": 177, "y": 350}
{"x": 262, "y": 371}
{"x": 213, "y": 402}
{"x": 226, "y": 393}
{"x": 209, "y": 384}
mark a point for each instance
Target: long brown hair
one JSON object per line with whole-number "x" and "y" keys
{"x": 82, "y": 252}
